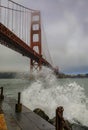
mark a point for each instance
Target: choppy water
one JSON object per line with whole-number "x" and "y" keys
{"x": 44, "y": 91}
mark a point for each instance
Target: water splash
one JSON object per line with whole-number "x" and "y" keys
{"x": 47, "y": 93}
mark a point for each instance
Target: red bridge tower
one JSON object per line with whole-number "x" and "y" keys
{"x": 35, "y": 39}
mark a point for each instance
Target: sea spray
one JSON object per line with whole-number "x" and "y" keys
{"x": 46, "y": 93}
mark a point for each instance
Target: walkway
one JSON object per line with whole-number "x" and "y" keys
{"x": 27, "y": 120}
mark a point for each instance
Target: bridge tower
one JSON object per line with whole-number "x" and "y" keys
{"x": 35, "y": 39}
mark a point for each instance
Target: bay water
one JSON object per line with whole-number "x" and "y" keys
{"x": 43, "y": 90}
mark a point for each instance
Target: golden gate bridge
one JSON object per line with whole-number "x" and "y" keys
{"x": 20, "y": 30}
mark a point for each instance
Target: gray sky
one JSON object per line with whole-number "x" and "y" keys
{"x": 65, "y": 24}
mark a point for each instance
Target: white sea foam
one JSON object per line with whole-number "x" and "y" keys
{"x": 46, "y": 93}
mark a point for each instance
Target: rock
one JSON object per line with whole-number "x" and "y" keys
{"x": 68, "y": 124}
{"x": 77, "y": 122}
{"x": 41, "y": 113}
{"x": 79, "y": 127}
{"x": 73, "y": 126}
{"x": 52, "y": 121}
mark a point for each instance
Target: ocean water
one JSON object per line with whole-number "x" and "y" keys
{"x": 43, "y": 90}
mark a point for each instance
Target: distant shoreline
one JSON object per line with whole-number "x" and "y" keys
{"x": 61, "y": 75}
{"x": 7, "y": 75}
{"x": 12, "y": 75}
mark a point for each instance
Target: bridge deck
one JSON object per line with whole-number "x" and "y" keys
{"x": 10, "y": 40}
{"x": 27, "y": 120}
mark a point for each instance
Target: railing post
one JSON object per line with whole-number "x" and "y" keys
{"x": 18, "y": 106}
{"x": 1, "y": 95}
{"x": 59, "y": 116}
{"x": 60, "y": 122}
{"x": 19, "y": 96}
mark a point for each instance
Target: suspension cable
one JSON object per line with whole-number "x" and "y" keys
{"x": 1, "y": 6}
{"x": 23, "y": 6}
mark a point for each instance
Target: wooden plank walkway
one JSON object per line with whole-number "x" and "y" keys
{"x": 26, "y": 120}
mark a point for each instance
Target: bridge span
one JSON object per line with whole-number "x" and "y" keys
{"x": 20, "y": 30}
{"x": 10, "y": 40}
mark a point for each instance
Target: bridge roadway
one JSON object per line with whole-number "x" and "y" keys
{"x": 10, "y": 40}
{"x": 26, "y": 120}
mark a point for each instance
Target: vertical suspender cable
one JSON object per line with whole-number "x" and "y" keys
{"x": 15, "y": 19}
{"x": 8, "y": 15}
{"x": 0, "y": 10}
{"x": 4, "y": 15}
{"x": 19, "y": 21}
{"x": 22, "y": 21}
{"x": 27, "y": 28}
{"x": 12, "y": 16}
{"x": 25, "y": 25}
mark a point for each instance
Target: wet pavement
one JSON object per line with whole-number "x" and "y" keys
{"x": 26, "y": 120}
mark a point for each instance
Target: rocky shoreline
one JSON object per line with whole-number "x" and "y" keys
{"x": 74, "y": 126}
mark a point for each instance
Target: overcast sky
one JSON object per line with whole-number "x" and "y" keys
{"x": 65, "y": 24}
